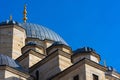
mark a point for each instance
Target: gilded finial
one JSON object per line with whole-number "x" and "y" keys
{"x": 105, "y": 63}
{"x": 10, "y": 17}
{"x": 25, "y": 14}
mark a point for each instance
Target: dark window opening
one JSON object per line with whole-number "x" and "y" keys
{"x": 76, "y": 77}
{"x": 95, "y": 77}
{"x": 37, "y": 75}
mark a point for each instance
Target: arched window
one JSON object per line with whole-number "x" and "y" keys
{"x": 37, "y": 75}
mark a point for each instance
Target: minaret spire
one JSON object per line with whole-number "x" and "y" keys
{"x": 25, "y": 14}
{"x": 105, "y": 63}
{"x": 10, "y": 17}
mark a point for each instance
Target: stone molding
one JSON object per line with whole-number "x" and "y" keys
{"x": 15, "y": 71}
{"x": 13, "y": 26}
{"x": 30, "y": 52}
{"x": 77, "y": 65}
{"x": 37, "y": 46}
{"x": 87, "y": 53}
{"x": 59, "y": 46}
{"x": 49, "y": 57}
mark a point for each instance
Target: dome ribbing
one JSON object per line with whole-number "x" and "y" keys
{"x": 38, "y": 31}
{"x": 5, "y": 60}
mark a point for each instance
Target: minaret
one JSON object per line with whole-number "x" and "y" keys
{"x": 105, "y": 64}
{"x": 10, "y": 17}
{"x": 25, "y": 14}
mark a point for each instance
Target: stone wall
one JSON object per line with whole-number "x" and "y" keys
{"x": 33, "y": 60}
{"x": 48, "y": 69}
{"x": 2, "y": 74}
{"x": 52, "y": 65}
{"x": 18, "y": 41}
{"x": 12, "y": 39}
{"x": 6, "y": 40}
{"x": 71, "y": 73}
{"x": 92, "y": 70}
{"x": 11, "y": 76}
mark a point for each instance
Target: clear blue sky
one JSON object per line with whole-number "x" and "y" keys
{"x": 93, "y": 23}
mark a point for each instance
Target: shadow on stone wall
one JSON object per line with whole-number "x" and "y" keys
{"x": 13, "y": 78}
{"x": 16, "y": 78}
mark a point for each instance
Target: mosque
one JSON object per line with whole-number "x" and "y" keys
{"x": 33, "y": 52}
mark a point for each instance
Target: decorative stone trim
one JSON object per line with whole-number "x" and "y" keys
{"x": 30, "y": 52}
{"x": 87, "y": 53}
{"x": 49, "y": 57}
{"x": 77, "y": 65}
{"x": 59, "y": 46}
{"x": 15, "y": 71}
{"x": 13, "y": 26}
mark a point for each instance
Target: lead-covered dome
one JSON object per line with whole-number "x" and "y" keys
{"x": 38, "y": 31}
{"x": 5, "y": 60}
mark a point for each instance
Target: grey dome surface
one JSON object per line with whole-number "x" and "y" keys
{"x": 5, "y": 60}
{"x": 84, "y": 49}
{"x": 57, "y": 43}
{"x": 38, "y": 31}
{"x": 9, "y": 22}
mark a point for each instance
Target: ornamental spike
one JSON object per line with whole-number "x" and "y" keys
{"x": 25, "y": 14}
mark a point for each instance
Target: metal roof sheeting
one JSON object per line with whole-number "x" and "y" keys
{"x": 38, "y": 31}
{"x": 5, "y": 60}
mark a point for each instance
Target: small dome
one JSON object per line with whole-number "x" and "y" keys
{"x": 9, "y": 22}
{"x": 110, "y": 68}
{"x": 31, "y": 43}
{"x": 5, "y": 60}
{"x": 57, "y": 43}
{"x": 38, "y": 31}
{"x": 84, "y": 49}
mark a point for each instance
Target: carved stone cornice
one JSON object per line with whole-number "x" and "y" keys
{"x": 27, "y": 54}
{"x": 77, "y": 65}
{"x": 87, "y": 53}
{"x": 15, "y": 71}
{"x": 49, "y": 57}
